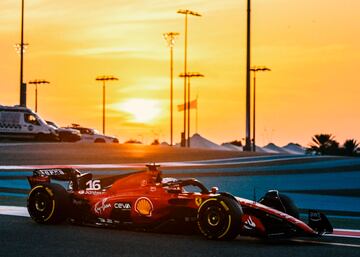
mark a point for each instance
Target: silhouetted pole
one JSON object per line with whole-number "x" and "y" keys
{"x": 36, "y": 83}
{"x": 254, "y": 70}
{"x": 186, "y": 12}
{"x": 170, "y": 38}
{"x": 22, "y": 84}
{"x": 247, "y": 138}
{"x": 197, "y": 114}
{"x": 104, "y": 79}
{"x": 189, "y": 75}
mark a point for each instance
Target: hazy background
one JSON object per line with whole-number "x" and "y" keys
{"x": 312, "y": 47}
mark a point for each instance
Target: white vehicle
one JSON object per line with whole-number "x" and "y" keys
{"x": 89, "y": 135}
{"x": 21, "y": 123}
{"x": 65, "y": 134}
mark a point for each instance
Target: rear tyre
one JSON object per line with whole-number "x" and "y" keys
{"x": 48, "y": 204}
{"x": 219, "y": 218}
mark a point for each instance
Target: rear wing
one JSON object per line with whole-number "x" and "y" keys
{"x": 43, "y": 176}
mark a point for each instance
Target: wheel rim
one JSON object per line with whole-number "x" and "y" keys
{"x": 40, "y": 205}
{"x": 214, "y": 220}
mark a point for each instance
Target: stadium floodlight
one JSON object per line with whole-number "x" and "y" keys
{"x": 255, "y": 69}
{"x": 189, "y": 75}
{"x": 170, "y": 39}
{"x": 36, "y": 83}
{"x": 186, "y": 12}
{"x": 104, "y": 79}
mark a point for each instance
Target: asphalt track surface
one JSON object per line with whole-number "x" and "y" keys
{"x": 20, "y": 236}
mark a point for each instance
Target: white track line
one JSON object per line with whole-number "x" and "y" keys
{"x": 14, "y": 211}
{"x": 347, "y": 230}
{"x": 325, "y": 243}
{"x": 334, "y": 235}
{"x": 351, "y": 233}
{"x": 22, "y": 212}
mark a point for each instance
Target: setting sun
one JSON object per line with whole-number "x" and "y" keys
{"x": 142, "y": 110}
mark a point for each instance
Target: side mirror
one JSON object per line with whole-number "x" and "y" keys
{"x": 214, "y": 190}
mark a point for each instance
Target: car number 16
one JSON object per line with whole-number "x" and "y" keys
{"x": 93, "y": 185}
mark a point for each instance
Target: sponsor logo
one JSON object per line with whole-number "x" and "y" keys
{"x": 198, "y": 201}
{"x": 123, "y": 206}
{"x": 83, "y": 192}
{"x": 152, "y": 189}
{"x": 101, "y": 206}
{"x": 249, "y": 224}
{"x": 49, "y": 172}
{"x": 315, "y": 216}
{"x": 108, "y": 221}
{"x": 144, "y": 206}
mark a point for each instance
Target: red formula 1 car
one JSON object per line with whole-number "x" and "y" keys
{"x": 144, "y": 200}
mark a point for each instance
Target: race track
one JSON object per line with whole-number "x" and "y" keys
{"x": 20, "y": 236}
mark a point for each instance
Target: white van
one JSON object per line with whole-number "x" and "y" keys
{"x": 21, "y": 123}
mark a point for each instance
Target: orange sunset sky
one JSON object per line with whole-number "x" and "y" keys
{"x": 312, "y": 47}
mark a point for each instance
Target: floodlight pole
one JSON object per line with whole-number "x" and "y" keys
{"x": 185, "y": 12}
{"x": 36, "y": 83}
{"x": 170, "y": 38}
{"x": 254, "y": 70}
{"x": 104, "y": 79}
{"x": 189, "y": 75}
{"x": 22, "y": 84}
{"x": 247, "y": 146}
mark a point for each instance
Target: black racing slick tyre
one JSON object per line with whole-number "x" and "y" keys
{"x": 48, "y": 204}
{"x": 219, "y": 218}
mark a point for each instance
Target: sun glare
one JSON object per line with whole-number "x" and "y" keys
{"x": 142, "y": 110}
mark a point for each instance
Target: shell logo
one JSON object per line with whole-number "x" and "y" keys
{"x": 144, "y": 206}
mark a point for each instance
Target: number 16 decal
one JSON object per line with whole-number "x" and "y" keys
{"x": 93, "y": 185}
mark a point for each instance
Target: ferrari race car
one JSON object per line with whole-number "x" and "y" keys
{"x": 145, "y": 200}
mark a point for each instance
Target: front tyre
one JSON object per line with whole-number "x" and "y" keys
{"x": 48, "y": 204}
{"x": 219, "y": 218}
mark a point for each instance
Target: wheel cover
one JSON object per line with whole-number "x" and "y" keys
{"x": 213, "y": 220}
{"x": 40, "y": 205}
{"x": 213, "y": 217}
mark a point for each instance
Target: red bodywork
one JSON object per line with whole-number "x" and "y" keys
{"x": 143, "y": 199}
{"x": 146, "y": 199}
